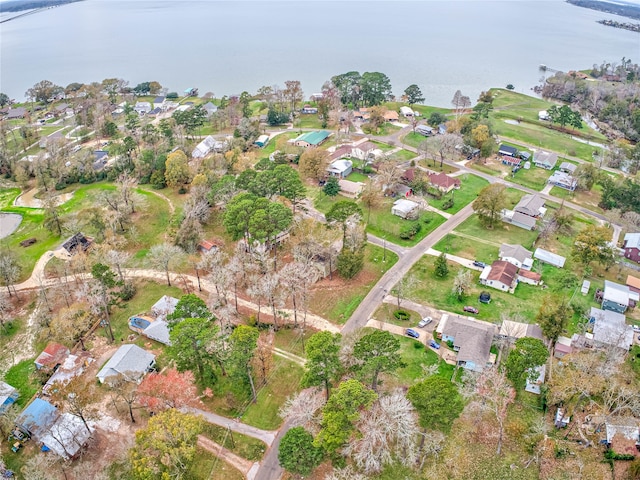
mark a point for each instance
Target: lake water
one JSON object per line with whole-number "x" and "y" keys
{"x": 227, "y": 47}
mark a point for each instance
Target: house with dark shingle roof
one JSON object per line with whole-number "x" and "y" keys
{"x": 471, "y": 339}
{"x": 508, "y": 150}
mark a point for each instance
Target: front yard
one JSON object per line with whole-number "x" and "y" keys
{"x": 470, "y": 185}
{"x": 384, "y": 224}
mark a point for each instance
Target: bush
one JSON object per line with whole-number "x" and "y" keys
{"x": 331, "y": 188}
{"x": 409, "y": 231}
{"x": 447, "y": 204}
{"x": 128, "y": 291}
{"x": 402, "y": 315}
{"x": 172, "y": 95}
{"x": 418, "y": 345}
{"x": 450, "y": 344}
{"x": 611, "y": 455}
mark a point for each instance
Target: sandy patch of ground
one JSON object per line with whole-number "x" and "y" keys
{"x": 28, "y": 199}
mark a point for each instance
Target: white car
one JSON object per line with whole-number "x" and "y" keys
{"x": 425, "y": 321}
{"x": 636, "y": 328}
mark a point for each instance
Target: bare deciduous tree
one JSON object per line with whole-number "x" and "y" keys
{"x": 303, "y": 409}
{"x": 496, "y": 393}
{"x": 165, "y": 255}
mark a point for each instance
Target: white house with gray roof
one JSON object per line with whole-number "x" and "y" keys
{"x": 610, "y": 328}
{"x": 544, "y": 159}
{"x": 130, "y": 361}
{"x": 471, "y": 339}
{"x": 531, "y": 205}
{"x": 516, "y": 255}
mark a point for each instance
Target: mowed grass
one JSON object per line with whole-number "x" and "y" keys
{"x": 413, "y": 139}
{"x": 467, "y": 248}
{"x": 470, "y": 186}
{"x": 416, "y": 356}
{"x": 588, "y": 199}
{"x": 20, "y": 377}
{"x": 501, "y": 233}
{"x": 242, "y": 445}
{"x": 207, "y": 466}
{"x": 382, "y": 223}
{"x": 337, "y": 299}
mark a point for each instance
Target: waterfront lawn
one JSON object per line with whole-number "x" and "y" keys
{"x": 384, "y": 224}
{"x": 470, "y": 185}
{"x": 308, "y": 121}
{"x": 336, "y": 299}
{"x": 425, "y": 110}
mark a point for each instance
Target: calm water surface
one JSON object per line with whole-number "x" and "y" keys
{"x": 227, "y": 47}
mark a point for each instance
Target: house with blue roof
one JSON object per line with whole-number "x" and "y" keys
{"x": 8, "y": 396}
{"x": 37, "y": 417}
{"x": 311, "y": 139}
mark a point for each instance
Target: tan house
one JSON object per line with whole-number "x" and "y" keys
{"x": 350, "y": 189}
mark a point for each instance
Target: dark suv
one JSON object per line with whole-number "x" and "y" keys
{"x": 479, "y": 264}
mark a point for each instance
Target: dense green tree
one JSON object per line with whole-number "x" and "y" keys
{"x": 297, "y": 453}
{"x": 527, "y": 354}
{"x": 189, "y": 306}
{"x": 441, "y": 266}
{"x": 375, "y": 88}
{"x": 348, "y": 86}
{"x": 553, "y": 316}
{"x": 592, "y": 244}
{"x": 142, "y": 89}
{"x": 4, "y": 99}
{"x": 350, "y": 262}
{"x": 191, "y": 119}
{"x": 341, "y": 412}
{"x": 190, "y": 340}
{"x": 437, "y": 402}
{"x": 276, "y": 117}
{"x": 177, "y": 169}
{"x": 166, "y": 448}
{"x": 565, "y": 116}
{"x": 245, "y": 104}
{"x": 332, "y": 187}
{"x": 323, "y": 365}
{"x": 413, "y": 94}
{"x": 377, "y": 352}
{"x": 243, "y": 342}
{"x": 44, "y": 91}
{"x": 436, "y": 119}
{"x": 489, "y": 204}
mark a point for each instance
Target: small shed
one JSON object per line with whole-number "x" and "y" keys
{"x": 262, "y": 141}
{"x": 586, "y": 285}
{"x": 406, "y": 111}
{"x": 37, "y": 417}
{"x": 425, "y": 130}
{"x": 405, "y": 209}
{"x": 549, "y": 257}
{"x": 8, "y": 395}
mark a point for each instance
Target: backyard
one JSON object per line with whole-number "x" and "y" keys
{"x": 382, "y": 223}
{"x": 470, "y": 185}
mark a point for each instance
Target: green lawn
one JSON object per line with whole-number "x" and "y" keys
{"x": 425, "y": 110}
{"x": 501, "y": 233}
{"x": 209, "y": 467}
{"x": 20, "y": 377}
{"x": 415, "y": 355}
{"x": 308, "y": 121}
{"x": 384, "y": 224}
{"x": 383, "y": 146}
{"x": 403, "y": 155}
{"x": 467, "y": 248}
{"x": 290, "y": 339}
{"x": 470, "y": 185}
{"x": 242, "y": 445}
{"x": 588, "y": 199}
{"x": 147, "y": 294}
{"x": 321, "y": 201}
{"x": 535, "y": 178}
{"x": 413, "y": 139}
{"x": 357, "y": 177}
{"x": 338, "y": 302}
{"x": 385, "y": 312}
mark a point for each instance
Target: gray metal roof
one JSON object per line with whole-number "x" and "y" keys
{"x": 515, "y": 251}
{"x": 549, "y": 257}
{"x": 129, "y": 360}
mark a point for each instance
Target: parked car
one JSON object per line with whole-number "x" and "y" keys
{"x": 477, "y": 263}
{"x": 434, "y": 344}
{"x": 412, "y": 333}
{"x": 636, "y": 328}
{"x": 425, "y": 321}
{"x": 471, "y": 309}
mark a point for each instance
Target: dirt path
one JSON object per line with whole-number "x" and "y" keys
{"x": 290, "y": 356}
{"x": 28, "y": 199}
{"x": 172, "y": 208}
{"x": 244, "y": 466}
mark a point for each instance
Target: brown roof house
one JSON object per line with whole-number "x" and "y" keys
{"x": 500, "y": 275}
{"x": 633, "y": 283}
{"x": 472, "y": 340}
{"x": 444, "y": 182}
{"x": 623, "y": 435}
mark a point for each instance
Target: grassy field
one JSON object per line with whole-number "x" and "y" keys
{"x": 403, "y": 155}
{"x": 467, "y": 248}
{"x": 413, "y": 139}
{"x": 384, "y": 313}
{"x": 209, "y": 467}
{"x": 501, "y": 233}
{"x": 470, "y": 185}
{"x": 588, "y": 199}
{"x": 336, "y": 299}
{"x": 242, "y": 445}
{"x": 385, "y": 225}
{"x": 357, "y": 177}
{"x": 20, "y": 376}
{"x": 291, "y": 340}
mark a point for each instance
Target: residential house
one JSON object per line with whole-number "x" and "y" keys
{"x": 406, "y": 209}
{"x": 210, "y": 108}
{"x": 551, "y": 258}
{"x": 513, "y": 162}
{"x": 623, "y": 435}
{"x": 526, "y": 156}
{"x": 563, "y": 180}
{"x": 407, "y": 112}
{"x": 409, "y": 175}
{"x": 390, "y": 116}
{"x": 402, "y": 190}
{"x": 533, "y": 386}
{"x": 633, "y": 283}
{"x": 563, "y": 347}
{"x": 308, "y": 109}
{"x": 316, "y": 96}
{"x": 350, "y": 189}
{"x": 142, "y": 108}
{"x": 52, "y": 356}
{"x": 444, "y": 182}
{"x": 37, "y": 417}
{"x": 311, "y": 139}
{"x": 158, "y": 330}
{"x": 544, "y": 159}
{"x": 532, "y": 205}
{"x": 130, "y": 362}
{"x": 158, "y": 102}
{"x": 529, "y": 277}
{"x": 154, "y": 112}
{"x": 165, "y": 306}
{"x": 442, "y": 129}
{"x": 204, "y": 148}
{"x": 425, "y": 130}
{"x": 62, "y": 109}
{"x": 262, "y": 141}
{"x": 500, "y": 275}
{"x": 616, "y": 297}
{"x": 517, "y": 255}
{"x": 72, "y": 366}
{"x": 568, "y": 168}
{"x": 519, "y": 219}
{"x": 206, "y": 246}
{"x": 66, "y": 436}
{"x": 516, "y": 330}
{"x": 507, "y": 151}
{"x": 340, "y": 168}
{"x": 610, "y": 329}
{"x": 15, "y": 113}
{"x": 364, "y": 150}
{"x": 77, "y": 241}
{"x": 8, "y": 396}
{"x": 343, "y": 151}
{"x": 631, "y": 246}
{"x": 472, "y": 341}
